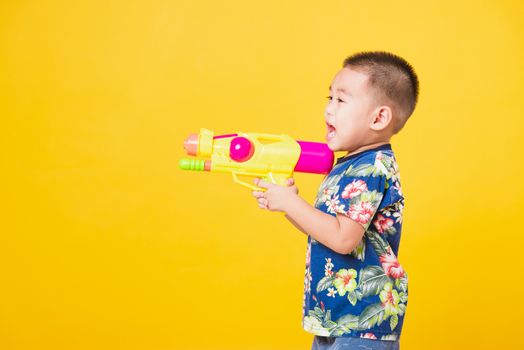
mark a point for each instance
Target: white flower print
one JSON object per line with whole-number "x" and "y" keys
{"x": 334, "y": 206}
{"x": 331, "y": 292}
{"x": 307, "y": 281}
{"x": 379, "y": 163}
{"x": 397, "y": 187}
{"x": 328, "y": 267}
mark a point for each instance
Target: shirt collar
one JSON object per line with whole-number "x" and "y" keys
{"x": 385, "y": 147}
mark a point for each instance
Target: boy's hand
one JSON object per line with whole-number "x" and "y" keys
{"x": 276, "y": 197}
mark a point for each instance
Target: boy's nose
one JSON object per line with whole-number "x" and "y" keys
{"x": 328, "y": 113}
{"x": 329, "y": 110}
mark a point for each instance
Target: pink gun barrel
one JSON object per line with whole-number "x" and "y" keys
{"x": 315, "y": 157}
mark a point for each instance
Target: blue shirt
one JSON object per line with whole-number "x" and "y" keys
{"x": 362, "y": 294}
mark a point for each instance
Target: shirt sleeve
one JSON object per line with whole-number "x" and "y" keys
{"x": 360, "y": 192}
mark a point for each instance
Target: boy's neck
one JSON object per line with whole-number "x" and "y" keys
{"x": 366, "y": 147}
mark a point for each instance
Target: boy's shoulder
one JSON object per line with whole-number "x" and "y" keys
{"x": 379, "y": 161}
{"x": 373, "y": 171}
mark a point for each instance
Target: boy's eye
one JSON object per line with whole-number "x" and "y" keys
{"x": 331, "y": 98}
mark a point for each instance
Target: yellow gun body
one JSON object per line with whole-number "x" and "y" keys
{"x": 266, "y": 156}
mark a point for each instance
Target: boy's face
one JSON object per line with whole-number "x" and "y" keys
{"x": 348, "y": 113}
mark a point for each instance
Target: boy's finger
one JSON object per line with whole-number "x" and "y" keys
{"x": 262, "y": 203}
{"x": 258, "y": 194}
{"x": 290, "y": 181}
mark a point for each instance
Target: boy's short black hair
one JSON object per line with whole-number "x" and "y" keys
{"x": 393, "y": 80}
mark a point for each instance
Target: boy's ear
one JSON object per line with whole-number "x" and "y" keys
{"x": 382, "y": 117}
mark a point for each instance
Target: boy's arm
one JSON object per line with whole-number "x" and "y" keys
{"x": 295, "y": 224}
{"x": 340, "y": 233}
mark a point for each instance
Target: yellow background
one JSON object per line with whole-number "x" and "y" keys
{"x": 106, "y": 244}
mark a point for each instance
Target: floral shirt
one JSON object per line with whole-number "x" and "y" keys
{"x": 362, "y": 294}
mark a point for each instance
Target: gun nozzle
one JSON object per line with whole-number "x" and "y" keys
{"x": 191, "y": 144}
{"x": 195, "y": 164}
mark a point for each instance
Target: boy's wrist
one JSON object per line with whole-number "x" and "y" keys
{"x": 291, "y": 204}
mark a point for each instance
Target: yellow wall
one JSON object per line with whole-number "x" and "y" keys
{"x": 106, "y": 244}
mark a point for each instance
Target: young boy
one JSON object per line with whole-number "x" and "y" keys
{"x": 355, "y": 288}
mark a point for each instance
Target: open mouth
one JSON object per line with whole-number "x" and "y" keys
{"x": 331, "y": 131}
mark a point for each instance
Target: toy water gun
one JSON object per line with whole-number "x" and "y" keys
{"x": 270, "y": 157}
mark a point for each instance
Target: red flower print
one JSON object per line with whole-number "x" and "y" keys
{"x": 383, "y": 223}
{"x": 354, "y": 189}
{"x": 391, "y": 265}
{"x": 361, "y": 212}
{"x": 368, "y": 336}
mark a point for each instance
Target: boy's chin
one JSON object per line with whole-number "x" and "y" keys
{"x": 337, "y": 148}
{"x": 333, "y": 147}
